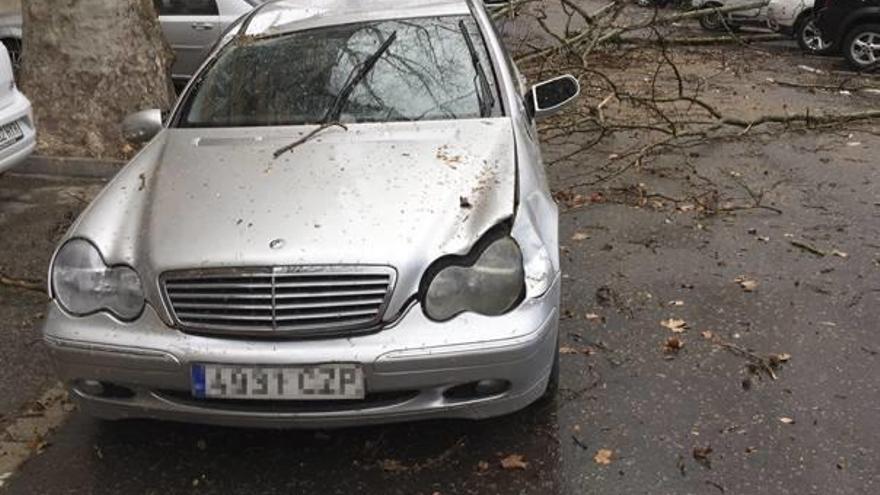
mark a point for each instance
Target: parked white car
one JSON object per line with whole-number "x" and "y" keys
{"x": 17, "y": 134}
{"x": 733, "y": 20}
{"x": 795, "y": 18}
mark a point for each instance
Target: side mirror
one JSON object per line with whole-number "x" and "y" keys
{"x": 142, "y": 126}
{"x": 548, "y": 97}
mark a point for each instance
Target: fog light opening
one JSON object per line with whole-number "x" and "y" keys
{"x": 90, "y": 387}
{"x": 107, "y": 390}
{"x": 491, "y": 387}
{"x": 477, "y": 390}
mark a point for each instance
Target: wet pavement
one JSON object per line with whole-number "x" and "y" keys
{"x": 629, "y": 266}
{"x": 34, "y": 214}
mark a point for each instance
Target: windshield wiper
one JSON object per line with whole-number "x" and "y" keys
{"x": 331, "y": 118}
{"x": 345, "y": 93}
{"x": 484, "y": 91}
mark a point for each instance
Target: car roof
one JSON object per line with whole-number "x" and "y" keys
{"x": 283, "y": 16}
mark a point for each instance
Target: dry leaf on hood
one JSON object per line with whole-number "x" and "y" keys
{"x": 675, "y": 324}
{"x": 514, "y": 461}
{"x": 604, "y": 457}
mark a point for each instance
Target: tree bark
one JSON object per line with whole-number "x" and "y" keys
{"x": 86, "y": 65}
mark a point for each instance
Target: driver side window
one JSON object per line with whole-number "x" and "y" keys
{"x": 186, "y": 7}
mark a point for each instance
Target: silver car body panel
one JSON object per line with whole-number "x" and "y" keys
{"x": 190, "y": 199}
{"x": 392, "y": 194}
{"x": 192, "y": 36}
{"x": 16, "y": 109}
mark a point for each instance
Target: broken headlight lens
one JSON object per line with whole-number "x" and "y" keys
{"x": 84, "y": 284}
{"x": 492, "y": 284}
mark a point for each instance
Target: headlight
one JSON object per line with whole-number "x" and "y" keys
{"x": 491, "y": 284}
{"x": 84, "y": 284}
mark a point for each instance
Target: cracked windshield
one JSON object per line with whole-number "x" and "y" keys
{"x": 423, "y": 72}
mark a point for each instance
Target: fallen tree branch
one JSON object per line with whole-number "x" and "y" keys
{"x": 704, "y": 40}
{"x": 19, "y": 283}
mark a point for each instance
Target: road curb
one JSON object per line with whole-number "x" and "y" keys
{"x": 69, "y": 167}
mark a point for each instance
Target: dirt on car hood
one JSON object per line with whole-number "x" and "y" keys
{"x": 399, "y": 194}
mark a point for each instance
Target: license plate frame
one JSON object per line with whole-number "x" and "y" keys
{"x": 10, "y": 134}
{"x": 326, "y": 381}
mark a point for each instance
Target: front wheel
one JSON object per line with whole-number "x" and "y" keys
{"x": 712, "y": 21}
{"x": 809, "y": 38}
{"x": 862, "y": 46}
{"x": 553, "y": 382}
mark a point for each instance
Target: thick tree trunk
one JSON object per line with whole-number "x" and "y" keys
{"x": 87, "y": 64}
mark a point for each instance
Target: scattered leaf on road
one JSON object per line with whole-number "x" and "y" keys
{"x": 787, "y": 421}
{"x": 746, "y": 283}
{"x": 675, "y": 324}
{"x": 839, "y": 254}
{"x": 777, "y": 359}
{"x": 673, "y": 345}
{"x": 482, "y": 466}
{"x": 701, "y": 455}
{"x": 392, "y": 466}
{"x": 580, "y": 236}
{"x": 587, "y": 351}
{"x": 514, "y": 461}
{"x": 675, "y": 303}
{"x": 707, "y": 334}
{"x": 604, "y": 457}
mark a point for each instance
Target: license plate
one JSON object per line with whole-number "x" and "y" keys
{"x": 317, "y": 382}
{"x": 9, "y": 134}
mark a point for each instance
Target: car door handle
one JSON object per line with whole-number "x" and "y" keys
{"x": 202, "y": 26}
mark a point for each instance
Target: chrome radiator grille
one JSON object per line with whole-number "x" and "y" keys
{"x": 300, "y": 300}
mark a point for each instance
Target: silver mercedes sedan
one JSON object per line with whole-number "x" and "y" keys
{"x": 344, "y": 221}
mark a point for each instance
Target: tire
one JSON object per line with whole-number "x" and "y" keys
{"x": 809, "y": 38}
{"x": 713, "y": 21}
{"x": 861, "y": 46}
{"x": 553, "y": 382}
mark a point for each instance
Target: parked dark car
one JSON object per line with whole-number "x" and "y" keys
{"x": 854, "y": 26}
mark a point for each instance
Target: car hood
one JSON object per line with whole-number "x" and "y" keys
{"x": 399, "y": 194}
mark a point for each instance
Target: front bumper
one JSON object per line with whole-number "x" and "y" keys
{"x": 407, "y": 367}
{"x": 18, "y": 109}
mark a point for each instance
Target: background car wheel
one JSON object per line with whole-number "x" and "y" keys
{"x": 809, "y": 38}
{"x": 13, "y": 46}
{"x": 862, "y": 46}
{"x": 713, "y": 21}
